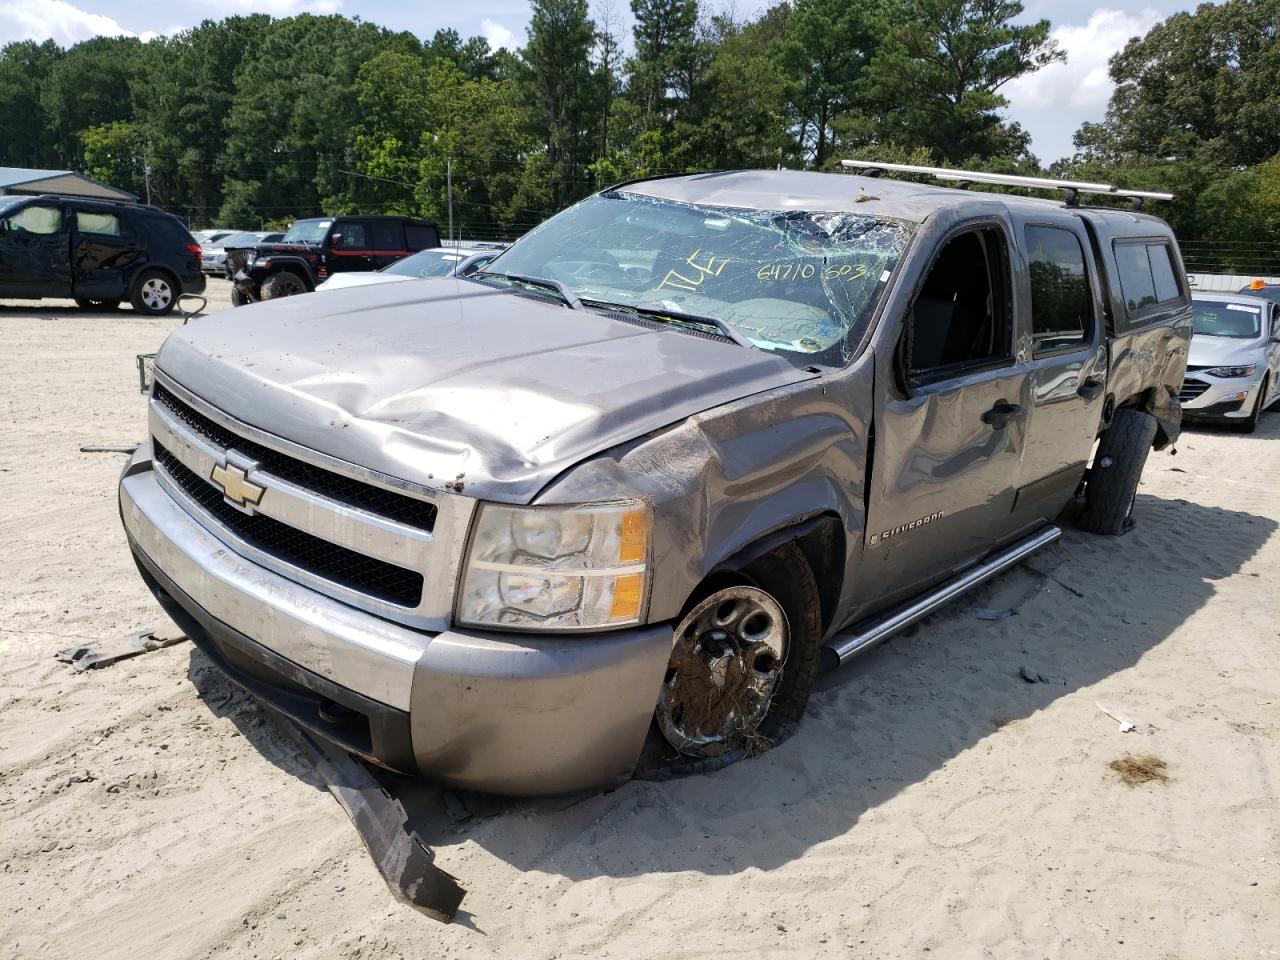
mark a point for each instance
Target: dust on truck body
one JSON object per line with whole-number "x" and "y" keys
{"x": 621, "y": 493}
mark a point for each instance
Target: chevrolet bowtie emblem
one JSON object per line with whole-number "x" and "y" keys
{"x": 236, "y": 485}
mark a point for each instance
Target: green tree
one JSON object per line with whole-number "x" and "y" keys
{"x": 559, "y": 81}
{"x": 24, "y": 128}
{"x": 1200, "y": 84}
{"x": 114, "y": 153}
{"x": 663, "y": 70}
{"x": 91, "y": 84}
{"x": 937, "y": 83}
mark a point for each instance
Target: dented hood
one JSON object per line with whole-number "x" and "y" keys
{"x": 449, "y": 381}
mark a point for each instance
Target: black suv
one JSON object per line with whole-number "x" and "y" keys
{"x": 313, "y": 250}
{"x": 97, "y": 253}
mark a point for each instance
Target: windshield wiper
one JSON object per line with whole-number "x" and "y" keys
{"x": 555, "y": 286}
{"x": 662, "y": 313}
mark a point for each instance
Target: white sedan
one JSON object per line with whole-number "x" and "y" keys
{"x": 435, "y": 262}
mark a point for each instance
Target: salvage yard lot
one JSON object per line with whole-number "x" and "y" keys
{"x": 932, "y": 799}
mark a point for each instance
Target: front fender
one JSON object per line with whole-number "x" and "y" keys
{"x": 736, "y": 475}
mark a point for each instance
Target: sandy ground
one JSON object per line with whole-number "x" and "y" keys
{"x": 933, "y": 804}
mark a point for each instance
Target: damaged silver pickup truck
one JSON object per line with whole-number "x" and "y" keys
{"x": 624, "y": 492}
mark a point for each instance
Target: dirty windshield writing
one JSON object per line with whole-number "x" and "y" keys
{"x": 1234, "y": 320}
{"x": 799, "y": 283}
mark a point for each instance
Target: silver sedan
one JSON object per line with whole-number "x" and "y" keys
{"x": 1233, "y": 371}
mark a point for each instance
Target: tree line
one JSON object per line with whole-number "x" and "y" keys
{"x": 252, "y": 120}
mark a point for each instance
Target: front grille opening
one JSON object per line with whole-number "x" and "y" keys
{"x": 367, "y": 575}
{"x": 400, "y": 507}
{"x": 1191, "y": 389}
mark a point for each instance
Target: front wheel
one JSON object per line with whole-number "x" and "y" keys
{"x": 154, "y": 294}
{"x": 744, "y": 662}
{"x": 1250, "y": 423}
{"x": 283, "y": 284}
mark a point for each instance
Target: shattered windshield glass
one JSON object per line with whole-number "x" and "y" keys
{"x": 799, "y": 283}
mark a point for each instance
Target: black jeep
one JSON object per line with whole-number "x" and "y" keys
{"x": 313, "y": 250}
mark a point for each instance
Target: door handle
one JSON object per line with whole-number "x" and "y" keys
{"x": 1001, "y": 414}
{"x": 1090, "y": 388}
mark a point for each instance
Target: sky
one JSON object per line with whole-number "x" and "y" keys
{"x": 1050, "y": 104}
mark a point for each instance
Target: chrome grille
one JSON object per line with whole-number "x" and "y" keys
{"x": 295, "y": 547}
{"x": 374, "y": 542}
{"x": 363, "y": 496}
{"x": 1191, "y": 389}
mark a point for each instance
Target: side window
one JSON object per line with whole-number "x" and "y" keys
{"x": 1147, "y": 275}
{"x": 41, "y": 221}
{"x": 99, "y": 224}
{"x": 1167, "y": 286}
{"x": 353, "y": 234}
{"x": 1136, "y": 282}
{"x": 420, "y": 237}
{"x": 385, "y": 236}
{"x": 960, "y": 318}
{"x": 1061, "y": 306}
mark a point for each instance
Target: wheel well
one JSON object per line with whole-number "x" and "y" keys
{"x": 822, "y": 541}
{"x": 291, "y": 268}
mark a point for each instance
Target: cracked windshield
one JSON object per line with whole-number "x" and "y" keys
{"x": 798, "y": 283}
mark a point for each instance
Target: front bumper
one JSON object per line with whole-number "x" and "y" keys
{"x": 1228, "y": 398}
{"x": 503, "y": 713}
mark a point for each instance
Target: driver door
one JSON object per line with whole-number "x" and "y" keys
{"x": 35, "y": 252}
{"x": 949, "y": 435}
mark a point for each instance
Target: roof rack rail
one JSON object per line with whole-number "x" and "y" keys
{"x": 1072, "y": 188}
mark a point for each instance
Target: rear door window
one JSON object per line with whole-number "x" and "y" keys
{"x": 386, "y": 237}
{"x": 1167, "y": 286}
{"x": 1061, "y": 306}
{"x": 98, "y": 224}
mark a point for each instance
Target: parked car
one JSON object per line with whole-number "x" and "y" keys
{"x": 1259, "y": 288}
{"x": 214, "y": 254}
{"x": 314, "y": 250}
{"x": 211, "y": 235}
{"x": 96, "y": 252}
{"x": 679, "y": 445}
{"x": 1233, "y": 372}
{"x": 455, "y": 261}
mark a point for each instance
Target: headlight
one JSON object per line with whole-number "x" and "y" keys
{"x": 557, "y": 568}
{"x": 1232, "y": 371}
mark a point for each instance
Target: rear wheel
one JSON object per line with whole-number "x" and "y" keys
{"x": 1250, "y": 423}
{"x": 744, "y": 662}
{"x": 282, "y": 284}
{"x": 1112, "y": 489}
{"x": 87, "y": 304}
{"x": 154, "y": 294}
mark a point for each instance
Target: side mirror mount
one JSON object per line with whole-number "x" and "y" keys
{"x": 335, "y": 240}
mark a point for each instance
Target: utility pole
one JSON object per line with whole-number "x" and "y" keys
{"x": 448, "y": 176}
{"x": 146, "y": 169}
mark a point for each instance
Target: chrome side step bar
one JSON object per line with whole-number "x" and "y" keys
{"x": 844, "y": 645}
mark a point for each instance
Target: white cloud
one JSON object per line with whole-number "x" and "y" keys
{"x": 53, "y": 20}
{"x": 497, "y": 35}
{"x": 282, "y": 8}
{"x": 1053, "y": 102}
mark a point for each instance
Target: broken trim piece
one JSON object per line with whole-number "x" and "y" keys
{"x": 405, "y": 862}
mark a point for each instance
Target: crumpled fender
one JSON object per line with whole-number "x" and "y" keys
{"x": 1162, "y": 403}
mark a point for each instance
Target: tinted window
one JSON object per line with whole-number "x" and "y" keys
{"x": 100, "y": 224}
{"x": 1136, "y": 282}
{"x": 1167, "y": 286}
{"x": 959, "y": 320}
{"x": 41, "y": 221}
{"x": 354, "y": 235}
{"x": 1060, "y": 301}
{"x": 386, "y": 236}
{"x": 420, "y": 237}
{"x": 167, "y": 229}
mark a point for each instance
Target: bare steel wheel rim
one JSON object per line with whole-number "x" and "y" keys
{"x": 156, "y": 293}
{"x": 725, "y": 667}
